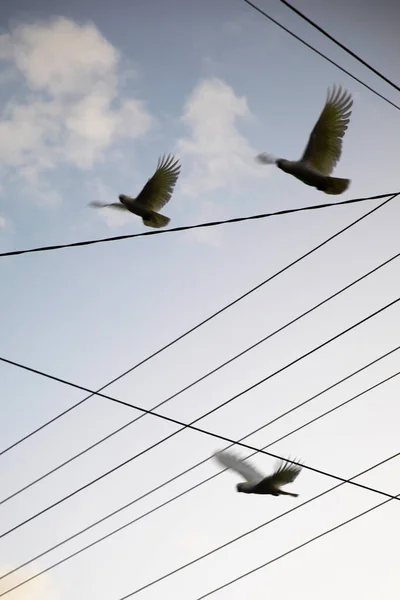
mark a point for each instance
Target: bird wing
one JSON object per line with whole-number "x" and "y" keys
{"x": 284, "y": 473}
{"x": 158, "y": 190}
{"x": 229, "y": 460}
{"x": 325, "y": 143}
{"x": 117, "y": 205}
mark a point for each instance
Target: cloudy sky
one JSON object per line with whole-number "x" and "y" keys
{"x": 91, "y": 95}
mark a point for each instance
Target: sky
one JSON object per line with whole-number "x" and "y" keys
{"x": 91, "y": 95}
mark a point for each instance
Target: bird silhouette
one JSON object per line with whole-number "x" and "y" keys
{"x": 324, "y": 147}
{"x": 256, "y": 482}
{"x": 155, "y": 194}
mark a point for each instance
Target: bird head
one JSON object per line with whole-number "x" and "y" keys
{"x": 239, "y": 487}
{"x": 123, "y": 198}
{"x": 266, "y": 159}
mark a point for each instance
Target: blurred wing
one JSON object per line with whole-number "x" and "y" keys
{"x": 158, "y": 190}
{"x": 117, "y": 205}
{"x": 325, "y": 144}
{"x": 285, "y": 473}
{"x": 230, "y": 461}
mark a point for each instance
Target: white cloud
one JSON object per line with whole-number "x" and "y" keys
{"x": 60, "y": 56}
{"x": 221, "y": 155}
{"x": 3, "y": 222}
{"x": 71, "y": 113}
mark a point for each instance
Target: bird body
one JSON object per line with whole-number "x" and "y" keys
{"x": 150, "y": 217}
{"x": 154, "y": 195}
{"x": 324, "y": 147}
{"x": 311, "y": 177}
{"x": 256, "y": 483}
{"x": 264, "y": 487}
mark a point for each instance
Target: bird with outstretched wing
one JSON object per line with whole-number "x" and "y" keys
{"x": 154, "y": 195}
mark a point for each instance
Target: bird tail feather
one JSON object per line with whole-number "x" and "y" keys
{"x": 334, "y": 185}
{"x": 156, "y": 220}
{"x": 288, "y": 493}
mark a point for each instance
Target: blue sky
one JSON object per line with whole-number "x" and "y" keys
{"x": 91, "y": 95}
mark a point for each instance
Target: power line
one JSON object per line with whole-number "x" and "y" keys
{"x": 313, "y": 539}
{"x": 192, "y": 424}
{"x": 335, "y": 41}
{"x": 332, "y": 62}
{"x": 197, "y": 226}
{"x": 212, "y": 316}
{"x": 246, "y": 533}
{"x": 197, "y": 485}
{"x": 202, "y": 378}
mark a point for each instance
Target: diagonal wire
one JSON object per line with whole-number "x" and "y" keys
{"x": 195, "y": 327}
{"x": 251, "y": 531}
{"x": 192, "y": 425}
{"x": 202, "y": 378}
{"x": 313, "y": 539}
{"x": 197, "y": 485}
{"x": 188, "y": 227}
{"x": 342, "y": 46}
{"x": 298, "y": 38}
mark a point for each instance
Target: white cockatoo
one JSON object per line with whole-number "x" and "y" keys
{"x": 324, "y": 147}
{"x": 155, "y": 194}
{"x": 256, "y": 482}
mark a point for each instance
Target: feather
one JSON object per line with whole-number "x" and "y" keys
{"x": 158, "y": 190}
{"x": 324, "y": 146}
{"x": 116, "y": 205}
{"x": 284, "y": 473}
{"x": 230, "y": 461}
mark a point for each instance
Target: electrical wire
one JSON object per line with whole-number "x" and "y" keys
{"x": 192, "y": 424}
{"x": 197, "y": 226}
{"x": 317, "y": 537}
{"x": 332, "y": 62}
{"x": 251, "y": 531}
{"x": 193, "y": 383}
{"x": 313, "y": 539}
{"x": 342, "y": 46}
{"x": 181, "y": 494}
{"x": 201, "y": 323}
{"x": 214, "y": 224}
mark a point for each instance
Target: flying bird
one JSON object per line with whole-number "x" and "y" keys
{"x": 155, "y": 194}
{"x": 324, "y": 147}
{"x": 255, "y": 482}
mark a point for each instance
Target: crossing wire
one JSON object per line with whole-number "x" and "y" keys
{"x": 192, "y": 425}
{"x": 251, "y": 531}
{"x": 313, "y": 539}
{"x": 202, "y": 378}
{"x": 181, "y": 494}
{"x": 201, "y": 323}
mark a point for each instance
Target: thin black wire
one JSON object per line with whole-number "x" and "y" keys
{"x": 335, "y": 41}
{"x": 199, "y": 225}
{"x": 181, "y": 494}
{"x": 251, "y": 531}
{"x": 195, "y": 327}
{"x": 191, "y": 425}
{"x": 202, "y": 378}
{"x": 313, "y": 539}
{"x": 298, "y": 38}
